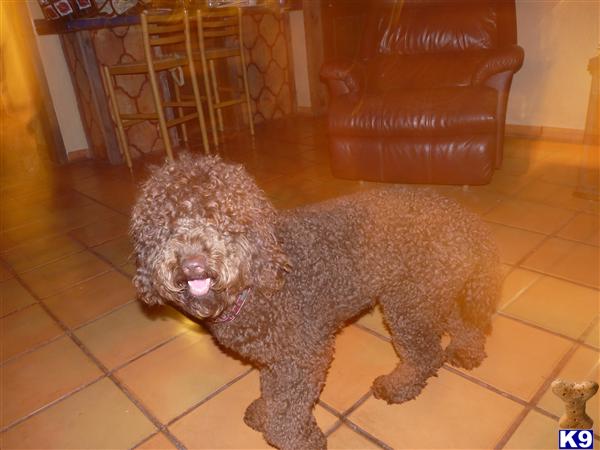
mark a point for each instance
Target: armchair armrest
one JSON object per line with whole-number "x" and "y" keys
{"x": 508, "y": 59}
{"x": 343, "y": 77}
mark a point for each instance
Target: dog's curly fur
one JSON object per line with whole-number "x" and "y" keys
{"x": 430, "y": 265}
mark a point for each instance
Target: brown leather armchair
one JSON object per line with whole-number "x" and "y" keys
{"x": 425, "y": 102}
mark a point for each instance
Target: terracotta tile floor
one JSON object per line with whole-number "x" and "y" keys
{"x": 85, "y": 366}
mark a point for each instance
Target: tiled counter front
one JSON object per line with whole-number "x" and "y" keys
{"x": 268, "y": 63}
{"x": 267, "y": 59}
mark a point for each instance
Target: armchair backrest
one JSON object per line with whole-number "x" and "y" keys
{"x": 397, "y": 27}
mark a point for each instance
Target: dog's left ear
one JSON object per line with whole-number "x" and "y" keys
{"x": 269, "y": 266}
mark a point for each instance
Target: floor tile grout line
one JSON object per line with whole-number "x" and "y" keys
{"x": 520, "y": 292}
{"x": 95, "y": 200}
{"x": 46, "y": 406}
{"x": 75, "y": 329}
{"x": 344, "y": 420}
{"x": 357, "y": 404}
{"x": 64, "y": 228}
{"x": 114, "y": 267}
{"x": 146, "y": 412}
{"x": 333, "y": 428}
{"x": 83, "y": 325}
{"x": 547, "y": 330}
{"x": 144, "y": 440}
{"x": 519, "y": 264}
{"x": 104, "y": 259}
{"x": 544, "y": 202}
{"x": 18, "y": 310}
{"x": 102, "y": 368}
{"x": 97, "y": 244}
{"x": 330, "y": 409}
{"x": 546, "y": 238}
{"x": 546, "y": 235}
{"x": 77, "y": 283}
{"x": 372, "y": 332}
{"x": 554, "y": 417}
{"x": 52, "y": 261}
{"x": 364, "y": 433}
{"x": 482, "y": 383}
{"x": 590, "y": 347}
{"x": 102, "y": 315}
{"x": 145, "y": 352}
{"x": 35, "y": 347}
{"x": 210, "y": 396}
{"x": 542, "y": 389}
{"x": 577, "y": 214}
{"x": 559, "y": 277}
{"x": 499, "y": 314}
{"x": 588, "y": 331}
{"x": 539, "y": 327}
{"x": 485, "y": 385}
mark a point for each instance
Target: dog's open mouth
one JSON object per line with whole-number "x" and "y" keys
{"x": 199, "y": 287}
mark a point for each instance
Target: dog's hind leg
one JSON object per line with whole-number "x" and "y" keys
{"x": 416, "y": 336}
{"x": 466, "y": 349}
{"x": 470, "y": 319}
{"x": 255, "y": 415}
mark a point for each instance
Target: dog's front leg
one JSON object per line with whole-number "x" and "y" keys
{"x": 289, "y": 394}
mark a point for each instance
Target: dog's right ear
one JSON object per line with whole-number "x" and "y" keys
{"x": 143, "y": 285}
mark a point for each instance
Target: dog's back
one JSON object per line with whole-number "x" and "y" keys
{"x": 348, "y": 252}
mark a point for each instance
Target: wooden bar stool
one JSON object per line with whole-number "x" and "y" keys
{"x": 159, "y": 31}
{"x": 220, "y": 37}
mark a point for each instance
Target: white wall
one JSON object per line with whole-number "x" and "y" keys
{"x": 60, "y": 85}
{"x": 298, "y": 38}
{"x": 559, "y": 37}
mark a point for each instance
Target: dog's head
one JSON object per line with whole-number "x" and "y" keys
{"x": 203, "y": 232}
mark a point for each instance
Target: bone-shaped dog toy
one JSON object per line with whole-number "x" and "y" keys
{"x": 575, "y": 395}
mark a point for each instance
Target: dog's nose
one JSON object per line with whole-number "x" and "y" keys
{"x": 193, "y": 266}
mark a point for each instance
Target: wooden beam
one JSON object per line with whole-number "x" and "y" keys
{"x": 48, "y": 119}
{"x": 99, "y": 98}
{"x": 313, "y": 25}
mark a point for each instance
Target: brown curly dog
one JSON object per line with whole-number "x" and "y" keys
{"x": 276, "y": 287}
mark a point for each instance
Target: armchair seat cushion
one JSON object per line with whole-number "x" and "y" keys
{"x": 446, "y": 111}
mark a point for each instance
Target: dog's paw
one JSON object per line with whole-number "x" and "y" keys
{"x": 393, "y": 389}
{"x": 317, "y": 440}
{"x": 255, "y": 415}
{"x": 310, "y": 438}
{"x": 466, "y": 358}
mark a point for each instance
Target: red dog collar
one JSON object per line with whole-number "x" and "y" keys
{"x": 228, "y": 316}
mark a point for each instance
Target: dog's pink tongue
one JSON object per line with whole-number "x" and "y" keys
{"x": 199, "y": 287}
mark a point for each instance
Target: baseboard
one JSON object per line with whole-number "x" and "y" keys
{"x": 546, "y": 133}
{"x": 78, "y": 155}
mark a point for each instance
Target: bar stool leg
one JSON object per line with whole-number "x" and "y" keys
{"x": 162, "y": 124}
{"x": 209, "y": 101}
{"x": 114, "y": 111}
{"x": 245, "y": 75}
{"x": 206, "y": 77}
{"x": 247, "y": 93}
{"x": 213, "y": 76}
{"x": 211, "y": 109}
{"x": 195, "y": 87}
{"x": 180, "y": 112}
{"x": 201, "y": 118}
